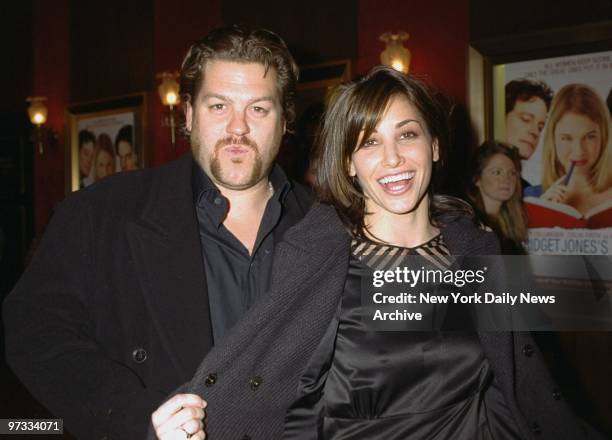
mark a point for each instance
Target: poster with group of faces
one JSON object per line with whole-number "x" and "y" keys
{"x": 106, "y": 146}
{"x": 557, "y": 114}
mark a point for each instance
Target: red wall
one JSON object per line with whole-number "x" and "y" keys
{"x": 51, "y": 78}
{"x": 176, "y": 28}
{"x": 439, "y": 36}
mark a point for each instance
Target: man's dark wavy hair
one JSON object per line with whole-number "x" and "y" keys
{"x": 243, "y": 44}
{"x": 524, "y": 90}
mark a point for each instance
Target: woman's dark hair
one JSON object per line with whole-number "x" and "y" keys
{"x": 511, "y": 222}
{"x": 358, "y": 107}
{"x": 242, "y": 44}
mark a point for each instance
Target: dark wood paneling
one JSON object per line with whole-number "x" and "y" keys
{"x": 16, "y": 209}
{"x": 16, "y": 45}
{"x": 489, "y": 19}
{"x": 111, "y": 48}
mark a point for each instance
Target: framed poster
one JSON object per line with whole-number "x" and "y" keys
{"x": 318, "y": 82}
{"x": 105, "y": 137}
{"x": 551, "y": 100}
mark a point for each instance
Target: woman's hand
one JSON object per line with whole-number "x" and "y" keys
{"x": 179, "y": 418}
{"x": 557, "y": 192}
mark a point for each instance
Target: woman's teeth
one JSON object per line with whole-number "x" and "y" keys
{"x": 396, "y": 178}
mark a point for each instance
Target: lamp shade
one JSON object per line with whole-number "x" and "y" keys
{"x": 395, "y": 54}
{"x": 169, "y": 89}
{"x": 37, "y": 110}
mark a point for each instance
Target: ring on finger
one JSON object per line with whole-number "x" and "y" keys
{"x": 187, "y": 433}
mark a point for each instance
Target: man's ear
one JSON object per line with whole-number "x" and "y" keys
{"x": 435, "y": 150}
{"x": 188, "y": 116}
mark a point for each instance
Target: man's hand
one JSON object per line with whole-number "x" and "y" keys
{"x": 180, "y": 418}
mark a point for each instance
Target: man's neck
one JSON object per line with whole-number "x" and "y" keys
{"x": 246, "y": 210}
{"x": 248, "y": 200}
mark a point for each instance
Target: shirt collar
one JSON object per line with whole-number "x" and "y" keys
{"x": 203, "y": 187}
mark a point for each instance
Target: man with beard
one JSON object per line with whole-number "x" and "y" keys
{"x": 140, "y": 276}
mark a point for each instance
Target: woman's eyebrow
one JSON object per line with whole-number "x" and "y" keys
{"x": 406, "y": 121}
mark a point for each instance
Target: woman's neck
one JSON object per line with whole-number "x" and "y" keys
{"x": 406, "y": 230}
{"x": 491, "y": 207}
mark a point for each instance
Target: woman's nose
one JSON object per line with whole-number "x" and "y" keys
{"x": 392, "y": 157}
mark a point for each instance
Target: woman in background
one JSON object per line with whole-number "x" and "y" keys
{"x": 576, "y": 156}
{"x": 495, "y": 191}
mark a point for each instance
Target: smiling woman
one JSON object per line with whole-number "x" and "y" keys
{"x": 393, "y": 167}
{"x": 380, "y": 164}
{"x": 382, "y": 142}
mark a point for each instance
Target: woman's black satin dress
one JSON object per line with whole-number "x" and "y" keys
{"x": 401, "y": 385}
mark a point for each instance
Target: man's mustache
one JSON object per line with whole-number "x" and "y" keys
{"x": 242, "y": 140}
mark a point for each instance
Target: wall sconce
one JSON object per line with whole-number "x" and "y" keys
{"x": 37, "y": 111}
{"x": 169, "y": 95}
{"x": 395, "y": 54}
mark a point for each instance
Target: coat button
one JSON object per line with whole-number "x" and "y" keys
{"x": 535, "y": 429}
{"x": 527, "y": 350}
{"x": 246, "y": 437}
{"x": 211, "y": 379}
{"x": 557, "y": 394}
{"x": 255, "y": 382}
{"x": 139, "y": 355}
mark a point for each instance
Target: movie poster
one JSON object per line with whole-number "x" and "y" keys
{"x": 566, "y": 150}
{"x": 106, "y": 146}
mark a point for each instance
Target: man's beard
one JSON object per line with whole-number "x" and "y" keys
{"x": 216, "y": 168}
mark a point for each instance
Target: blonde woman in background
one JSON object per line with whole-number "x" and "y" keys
{"x": 104, "y": 158}
{"x": 576, "y": 156}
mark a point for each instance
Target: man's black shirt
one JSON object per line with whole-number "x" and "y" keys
{"x": 235, "y": 279}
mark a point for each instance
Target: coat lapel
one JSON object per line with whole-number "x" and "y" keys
{"x": 165, "y": 245}
{"x": 498, "y": 347}
{"x": 306, "y": 251}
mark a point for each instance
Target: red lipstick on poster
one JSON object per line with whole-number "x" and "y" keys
{"x": 569, "y": 174}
